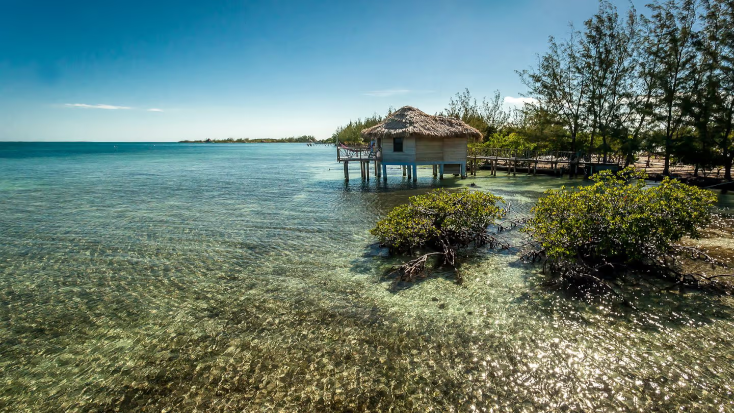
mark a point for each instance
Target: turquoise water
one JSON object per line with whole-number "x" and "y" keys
{"x": 174, "y": 277}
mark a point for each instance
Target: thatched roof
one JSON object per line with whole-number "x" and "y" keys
{"x": 409, "y": 121}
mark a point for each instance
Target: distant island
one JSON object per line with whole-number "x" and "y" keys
{"x": 291, "y": 139}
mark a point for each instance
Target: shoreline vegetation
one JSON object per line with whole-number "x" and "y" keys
{"x": 623, "y": 87}
{"x": 290, "y": 139}
{"x": 586, "y": 238}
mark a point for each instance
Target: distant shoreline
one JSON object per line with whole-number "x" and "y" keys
{"x": 310, "y": 139}
{"x": 256, "y": 141}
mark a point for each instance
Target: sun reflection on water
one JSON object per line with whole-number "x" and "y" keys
{"x": 216, "y": 287}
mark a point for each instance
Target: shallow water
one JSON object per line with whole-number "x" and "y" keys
{"x": 174, "y": 277}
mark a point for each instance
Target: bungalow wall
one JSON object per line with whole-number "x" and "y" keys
{"x": 429, "y": 150}
{"x": 454, "y": 150}
{"x": 406, "y": 156}
{"x": 426, "y": 151}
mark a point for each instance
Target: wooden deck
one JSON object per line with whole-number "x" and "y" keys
{"x": 362, "y": 154}
{"x": 509, "y": 160}
{"x": 555, "y": 162}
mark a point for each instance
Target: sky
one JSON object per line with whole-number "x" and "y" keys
{"x": 173, "y": 70}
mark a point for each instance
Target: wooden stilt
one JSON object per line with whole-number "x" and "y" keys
{"x": 435, "y": 171}
{"x": 346, "y": 171}
{"x": 367, "y": 169}
{"x": 384, "y": 172}
{"x": 440, "y": 171}
{"x": 415, "y": 172}
{"x": 404, "y": 171}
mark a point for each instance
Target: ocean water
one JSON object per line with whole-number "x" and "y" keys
{"x": 189, "y": 277}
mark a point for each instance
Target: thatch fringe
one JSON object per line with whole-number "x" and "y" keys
{"x": 409, "y": 121}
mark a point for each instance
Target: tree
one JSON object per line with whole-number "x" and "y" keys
{"x": 442, "y": 222}
{"x": 535, "y": 128}
{"x": 352, "y": 132}
{"x": 559, "y": 85}
{"x": 489, "y": 117}
{"x": 465, "y": 107}
{"x": 607, "y": 56}
{"x": 711, "y": 102}
{"x": 724, "y": 10}
{"x": 494, "y": 114}
{"x": 669, "y": 44}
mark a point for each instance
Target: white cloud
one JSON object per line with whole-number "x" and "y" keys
{"x": 101, "y": 106}
{"x": 519, "y": 101}
{"x": 388, "y": 92}
{"x": 155, "y": 110}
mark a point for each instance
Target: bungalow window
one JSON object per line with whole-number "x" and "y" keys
{"x": 397, "y": 145}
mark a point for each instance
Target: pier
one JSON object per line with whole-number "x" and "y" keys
{"x": 553, "y": 162}
{"x": 409, "y": 138}
{"x": 364, "y": 155}
{"x": 494, "y": 159}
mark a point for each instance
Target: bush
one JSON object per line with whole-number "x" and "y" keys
{"x": 617, "y": 221}
{"x": 439, "y": 220}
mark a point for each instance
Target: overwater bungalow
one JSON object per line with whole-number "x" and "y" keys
{"x": 410, "y": 137}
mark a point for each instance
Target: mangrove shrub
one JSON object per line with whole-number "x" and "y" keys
{"x": 618, "y": 222}
{"x": 439, "y": 221}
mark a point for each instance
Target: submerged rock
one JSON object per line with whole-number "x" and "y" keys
{"x": 375, "y": 250}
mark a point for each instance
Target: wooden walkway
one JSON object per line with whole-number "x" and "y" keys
{"x": 556, "y": 162}
{"x": 510, "y": 160}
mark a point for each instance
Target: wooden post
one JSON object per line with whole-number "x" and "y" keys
{"x": 367, "y": 169}
{"x": 462, "y": 170}
{"x": 384, "y": 172}
{"x": 361, "y": 169}
{"x": 415, "y": 172}
{"x": 440, "y": 171}
{"x": 378, "y": 169}
{"x": 409, "y": 171}
{"x": 346, "y": 171}
{"x": 404, "y": 171}
{"x": 435, "y": 171}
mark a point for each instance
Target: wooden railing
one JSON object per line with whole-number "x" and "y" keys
{"x": 356, "y": 152}
{"x": 525, "y": 154}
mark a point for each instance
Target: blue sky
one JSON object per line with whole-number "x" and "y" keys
{"x": 172, "y": 70}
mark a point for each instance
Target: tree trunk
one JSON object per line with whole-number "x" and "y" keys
{"x": 666, "y": 168}
{"x": 728, "y": 155}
